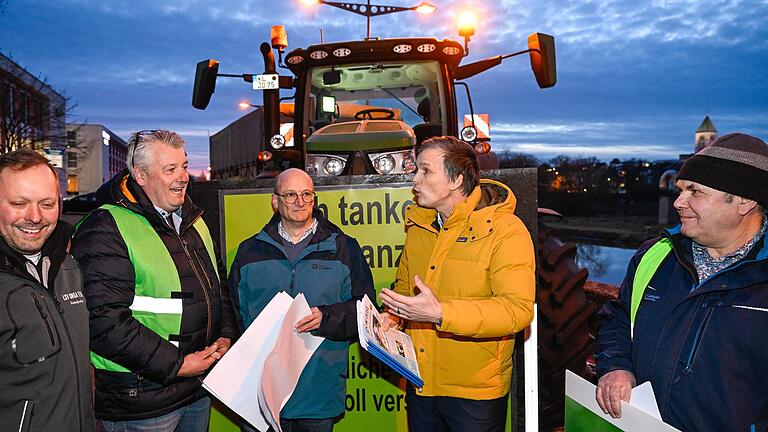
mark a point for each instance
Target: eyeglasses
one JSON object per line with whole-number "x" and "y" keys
{"x": 291, "y": 197}
{"x": 137, "y": 140}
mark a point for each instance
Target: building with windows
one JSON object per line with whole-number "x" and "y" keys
{"x": 94, "y": 155}
{"x": 32, "y": 115}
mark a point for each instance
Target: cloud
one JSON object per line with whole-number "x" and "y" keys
{"x": 636, "y": 150}
{"x": 550, "y": 128}
{"x": 633, "y": 76}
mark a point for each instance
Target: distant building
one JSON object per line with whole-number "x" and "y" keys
{"x": 705, "y": 135}
{"x": 32, "y": 115}
{"x": 94, "y": 155}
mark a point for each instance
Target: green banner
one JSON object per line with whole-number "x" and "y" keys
{"x": 373, "y": 215}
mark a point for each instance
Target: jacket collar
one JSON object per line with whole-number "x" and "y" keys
{"x": 325, "y": 229}
{"x": 55, "y": 249}
{"x": 489, "y": 197}
{"x": 682, "y": 248}
{"x": 123, "y": 190}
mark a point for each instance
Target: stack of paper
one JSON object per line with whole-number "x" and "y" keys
{"x": 393, "y": 347}
{"x": 259, "y": 373}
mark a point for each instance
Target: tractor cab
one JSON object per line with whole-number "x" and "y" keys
{"x": 363, "y": 106}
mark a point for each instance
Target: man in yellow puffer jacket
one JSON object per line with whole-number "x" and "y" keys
{"x": 464, "y": 287}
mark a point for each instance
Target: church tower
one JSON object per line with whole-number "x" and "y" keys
{"x": 705, "y": 134}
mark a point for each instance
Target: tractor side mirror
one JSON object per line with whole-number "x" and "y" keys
{"x": 205, "y": 83}
{"x": 542, "y": 55}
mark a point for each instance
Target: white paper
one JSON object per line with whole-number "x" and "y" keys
{"x": 644, "y": 399}
{"x": 632, "y": 419}
{"x": 283, "y": 366}
{"x": 237, "y": 379}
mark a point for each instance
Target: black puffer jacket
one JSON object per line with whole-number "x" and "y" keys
{"x": 152, "y": 389}
{"x": 45, "y": 378}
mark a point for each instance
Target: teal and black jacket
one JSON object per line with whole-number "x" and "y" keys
{"x": 701, "y": 343}
{"x": 153, "y": 296}
{"x": 333, "y": 275}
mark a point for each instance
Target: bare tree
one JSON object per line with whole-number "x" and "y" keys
{"x": 32, "y": 114}
{"x": 508, "y": 159}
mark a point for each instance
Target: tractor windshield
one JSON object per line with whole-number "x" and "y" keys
{"x": 410, "y": 92}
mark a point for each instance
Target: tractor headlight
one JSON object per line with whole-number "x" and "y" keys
{"x": 333, "y": 166}
{"x": 277, "y": 141}
{"x": 325, "y": 165}
{"x": 469, "y": 134}
{"x": 398, "y": 162}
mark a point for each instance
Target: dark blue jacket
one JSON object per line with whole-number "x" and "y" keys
{"x": 704, "y": 351}
{"x": 333, "y": 275}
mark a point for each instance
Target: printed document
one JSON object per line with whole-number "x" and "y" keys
{"x": 393, "y": 347}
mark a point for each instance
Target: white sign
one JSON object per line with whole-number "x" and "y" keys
{"x": 266, "y": 82}
{"x": 482, "y": 123}
{"x": 56, "y": 156}
{"x": 286, "y": 130}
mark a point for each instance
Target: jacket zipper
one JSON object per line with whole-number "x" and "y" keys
{"x": 293, "y": 277}
{"x": 23, "y": 415}
{"x": 691, "y": 356}
{"x": 44, "y": 316}
{"x": 697, "y": 340}
{"x": 204, "y": 282}
{"x": 74, "y": 358}
{"x": 60, "y": 310}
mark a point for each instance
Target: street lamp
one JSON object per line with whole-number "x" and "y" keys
{"x": 244, "y": 105}
{"x": 369, "y": 10}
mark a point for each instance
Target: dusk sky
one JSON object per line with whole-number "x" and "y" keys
{"x": 635, "y": 78}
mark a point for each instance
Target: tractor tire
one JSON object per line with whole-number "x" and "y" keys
{"x": 565, "y": 323}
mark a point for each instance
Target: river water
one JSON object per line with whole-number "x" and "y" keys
{"x": 605, "y": 264}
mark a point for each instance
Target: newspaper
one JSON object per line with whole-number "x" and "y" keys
{"x": 393, "y": 347}
{"x": 254, "y": 379}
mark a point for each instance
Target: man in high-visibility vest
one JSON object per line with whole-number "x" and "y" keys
{"x": 158, "y": 316}
{"x": 692, "y": 313}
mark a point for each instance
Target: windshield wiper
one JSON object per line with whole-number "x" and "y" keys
{"x": 399, "y": 100}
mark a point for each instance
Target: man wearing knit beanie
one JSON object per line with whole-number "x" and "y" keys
{"x": 692, "y": 313}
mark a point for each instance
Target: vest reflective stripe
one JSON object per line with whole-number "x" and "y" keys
{"x": 646, "y": 269}
{"x": 156, "y": 277}
{"x": 156, "y": 305}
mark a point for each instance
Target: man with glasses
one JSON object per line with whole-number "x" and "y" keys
{"x": 300, "y": 251}
{"x": 45, "y": 379}
{"x": 158, "y": 316}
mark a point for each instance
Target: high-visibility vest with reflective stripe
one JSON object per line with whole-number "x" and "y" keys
{"x": 156, "y": 277}
{"x": 649, "y": 264}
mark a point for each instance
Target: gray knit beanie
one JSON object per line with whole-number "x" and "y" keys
{"x": 735, "y": 163}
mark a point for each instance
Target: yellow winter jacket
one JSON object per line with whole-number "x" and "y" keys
{"x": 480, "y": 266}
